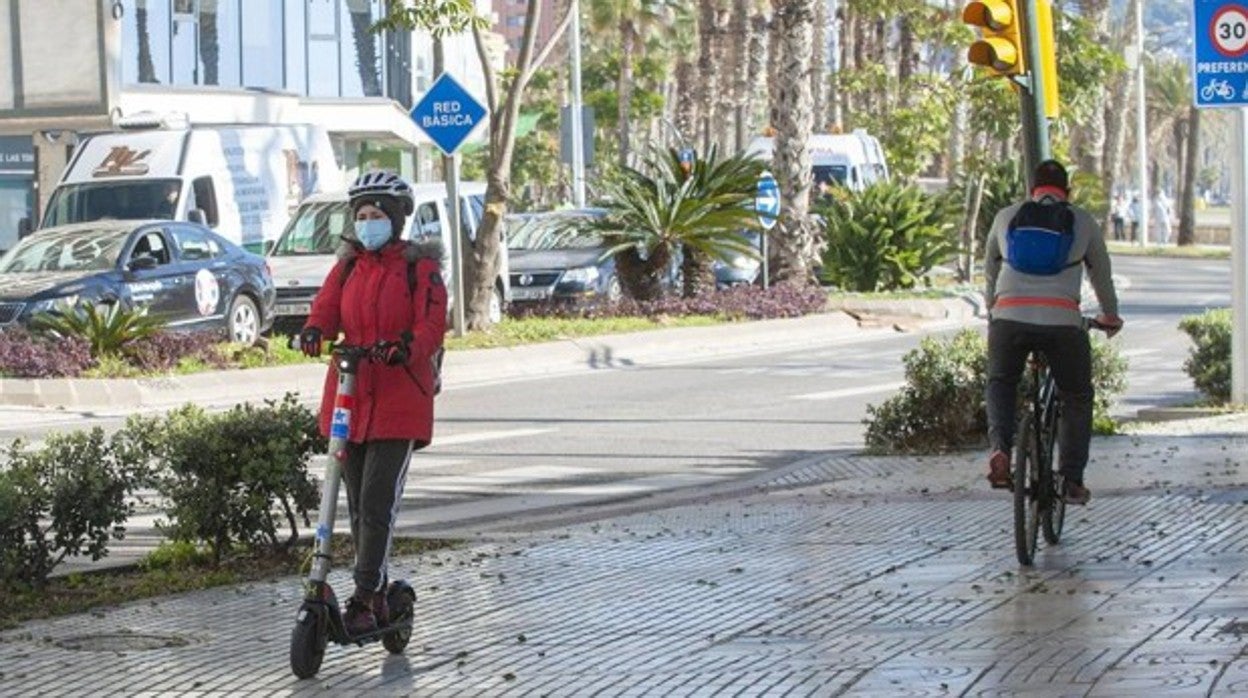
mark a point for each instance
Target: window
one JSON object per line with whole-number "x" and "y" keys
{"x": 145, "y": 41}
{"x": 426, "y": 220}
{"x": 262, "y": 45}
{"x": 194, "y": 245}
{"x": 359, "y": 61}
{"x": 151, "y": 244}
{"x": 205, "y": 199}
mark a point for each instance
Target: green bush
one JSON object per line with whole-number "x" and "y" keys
{"x": 1209, "y": 363}
{"x": 941, "y": 408}
{"x": 886, "y": 237}
{"x": 108, "y": 331}
{"x": 231, "y": 476}
{"x": 68, "y": 497}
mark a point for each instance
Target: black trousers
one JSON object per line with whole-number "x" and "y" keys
{"x": 1069, "y": 354}
{"x": 374, "y": 473}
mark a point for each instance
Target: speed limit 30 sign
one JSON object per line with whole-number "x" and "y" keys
{"x": 1220, "y": 56}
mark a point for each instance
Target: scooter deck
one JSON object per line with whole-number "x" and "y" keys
{"x": 375, "y": 635}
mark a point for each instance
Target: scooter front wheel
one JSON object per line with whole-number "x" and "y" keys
{"x": 308, "y": 640}
{"x": 402, "y": 602}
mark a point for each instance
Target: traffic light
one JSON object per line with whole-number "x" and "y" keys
{"x": 1000, "y": 47}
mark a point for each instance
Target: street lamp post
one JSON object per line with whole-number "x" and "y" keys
{"x": 578, "y": 143}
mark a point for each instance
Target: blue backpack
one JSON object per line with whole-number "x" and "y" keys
{"x": 1039, "y": 238}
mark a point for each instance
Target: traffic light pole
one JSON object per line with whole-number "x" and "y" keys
{"x": 1035, "y": 119}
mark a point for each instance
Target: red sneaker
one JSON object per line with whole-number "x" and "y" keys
{"x": 1076, "y": 493}
{"x": 359, "y": 618}
{"x": 999, "y": 471}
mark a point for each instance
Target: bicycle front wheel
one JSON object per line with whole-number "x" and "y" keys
{"x": 1026, "y": 504}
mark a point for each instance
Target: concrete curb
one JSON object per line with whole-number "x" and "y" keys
{"x": 462, "y": 367}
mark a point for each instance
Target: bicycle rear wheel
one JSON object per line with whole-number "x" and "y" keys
{"x": 1053, "y": 507}
{"x": 1026, "y": 504}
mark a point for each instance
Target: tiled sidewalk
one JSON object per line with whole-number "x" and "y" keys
{"x": 811, "y": 590}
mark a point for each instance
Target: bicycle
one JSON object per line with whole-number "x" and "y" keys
{"x": 1039, "y": 488}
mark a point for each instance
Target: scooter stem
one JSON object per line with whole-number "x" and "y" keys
{"x": 339, "y": 432}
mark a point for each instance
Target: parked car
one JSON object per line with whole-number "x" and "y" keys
{"x": 553, "y": 258}
{"x": 182, "y": 272}
{"x": 738, "y": 268}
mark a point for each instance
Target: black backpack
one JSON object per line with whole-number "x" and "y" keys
{"x": 1040, "y": 237}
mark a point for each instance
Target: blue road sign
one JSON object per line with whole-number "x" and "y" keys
{"x": 447, "y": 113}
{"x": 1220, "y": 55}
{"x": 767, "y": 200}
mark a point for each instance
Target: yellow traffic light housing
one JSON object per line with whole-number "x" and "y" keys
{"x": 1048, "y": 58}
{"x": 1000, "y": 47}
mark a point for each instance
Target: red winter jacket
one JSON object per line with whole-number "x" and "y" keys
{"x": 374, "y": 304}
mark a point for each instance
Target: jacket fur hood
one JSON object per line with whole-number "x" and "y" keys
{"x": 428, "y": 247}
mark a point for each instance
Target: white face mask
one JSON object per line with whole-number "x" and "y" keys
{"x": 373, "y": 233}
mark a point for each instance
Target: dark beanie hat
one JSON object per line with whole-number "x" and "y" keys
{"x": 392, "y": 207}
{"x": 1050, "y": 173}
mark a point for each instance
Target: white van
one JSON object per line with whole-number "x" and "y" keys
{"x": 852, "y": 160}
{"x": 305, "y": 253}
{"x": 242, "y": 181}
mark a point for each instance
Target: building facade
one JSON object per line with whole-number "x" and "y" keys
{"x": 510, "y": 16}
{"x": 70, "y": 68}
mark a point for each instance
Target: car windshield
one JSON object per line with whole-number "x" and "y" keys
{"x": 551, "y": 231}
{"x": 74, "y": 250}
{"x": 316, "y": 229}
{"x": 830, "y": 174}
{"x": 119, "y": 200}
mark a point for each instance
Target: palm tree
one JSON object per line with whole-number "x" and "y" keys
{"x": 1169, "y": 96}
{"x": 795, "y": 239}
{"x": 659, "y": 211}
{"x": 635, "y": 20}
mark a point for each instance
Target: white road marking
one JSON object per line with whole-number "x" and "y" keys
{"x": 851, "y": 392}
{"x": 478, "y": 436}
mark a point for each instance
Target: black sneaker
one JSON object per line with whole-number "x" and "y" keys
{"x": 1076, "y": 493}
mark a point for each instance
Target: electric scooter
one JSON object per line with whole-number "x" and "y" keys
{"x": 320, "y": 618}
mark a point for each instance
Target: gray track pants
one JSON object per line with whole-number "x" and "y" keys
{"x": 374, "y": 474}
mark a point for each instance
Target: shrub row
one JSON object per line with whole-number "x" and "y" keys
{"x": 1209, "y": 363}
{"x": 942, "y": 408}
{"x": 228, "y": 480}
{"x": 735, "y": 303}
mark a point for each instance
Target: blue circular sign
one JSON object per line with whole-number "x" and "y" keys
{"x": 767, "y": 200}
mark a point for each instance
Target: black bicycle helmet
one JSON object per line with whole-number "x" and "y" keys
{"x": 382, "y": 183}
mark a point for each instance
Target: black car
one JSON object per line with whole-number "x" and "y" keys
{"x": 554, "y": 258}
{"x": 183, "y": 273}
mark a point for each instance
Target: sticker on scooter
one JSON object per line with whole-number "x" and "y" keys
{"x": 340, "y": 425}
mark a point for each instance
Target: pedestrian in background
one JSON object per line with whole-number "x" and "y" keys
{"x": 1118, "y": 215}
{"x": 1161, "y": 213}
{"x": 1133, "y": 217}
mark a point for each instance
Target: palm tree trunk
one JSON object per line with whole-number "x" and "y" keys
{"x": 1088, "y": 141}
{"x": 624, "y": 89}
{"x": 794, "y": 249}
{"x": 760, "y": 27}
{"x": 1117, "y": 112}
{"x": 819, "y": 65}
{"x": 686, "y": 101}
{"x": 209, "y": 44}
{"x": 1191, "y": 168}
{"x": 697, "y": 273}
{"x": 741, "y": 36}
{"x": 708, "y": 69}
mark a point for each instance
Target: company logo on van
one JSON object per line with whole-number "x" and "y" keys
{"x": 122, "y": 161}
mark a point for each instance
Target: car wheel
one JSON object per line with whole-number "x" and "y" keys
{"x": 496, "y": 306}
{"x": 614, "y": 291}
{"x": 242, "y": 324}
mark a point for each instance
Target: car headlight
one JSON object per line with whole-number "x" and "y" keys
{"x": 581, "y": 275}
{"x": 60, "y": 304}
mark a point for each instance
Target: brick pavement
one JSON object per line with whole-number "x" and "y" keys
{"x": 828, "y": 583}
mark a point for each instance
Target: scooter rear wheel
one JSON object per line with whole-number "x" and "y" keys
{"x": 402, "y": 602}
{"x": 307, "y": 641}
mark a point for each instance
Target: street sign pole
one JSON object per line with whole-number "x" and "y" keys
{"x": 767, "y": 205}
{"x": 1239, "y": 261}
{"x": 448, "y": 114}
{"x": 1219, "y": 63}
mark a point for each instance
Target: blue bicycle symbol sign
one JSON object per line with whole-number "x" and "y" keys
{"x": 1218, "y": 88}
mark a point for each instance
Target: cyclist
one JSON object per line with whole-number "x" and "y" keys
{"x": 1038, "y": 309}
{"x": 382, "y": 290}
